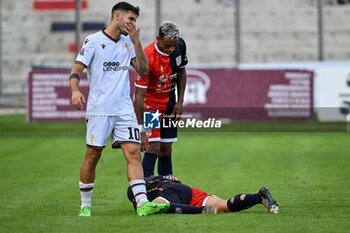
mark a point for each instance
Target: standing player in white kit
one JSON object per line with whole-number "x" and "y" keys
{"x": 107, "y": 56}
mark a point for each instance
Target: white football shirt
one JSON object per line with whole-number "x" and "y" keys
{"x": 107, "y": 62}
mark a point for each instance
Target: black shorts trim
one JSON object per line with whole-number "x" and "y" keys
{"x": 96, "y": 147}
{"x": 117, "y": 144}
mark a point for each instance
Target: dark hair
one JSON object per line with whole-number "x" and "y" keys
{"x": 124, "y": 6}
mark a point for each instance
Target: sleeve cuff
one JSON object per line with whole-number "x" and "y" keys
{"x": 140, "y": 86}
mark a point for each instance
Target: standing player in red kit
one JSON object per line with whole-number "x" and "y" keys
{"x": 156, "y": 92}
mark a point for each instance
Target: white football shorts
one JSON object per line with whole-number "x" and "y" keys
{"x": 121, "y": 129}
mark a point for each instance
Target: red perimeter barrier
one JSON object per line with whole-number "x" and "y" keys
{"x": 43, "y": 5}
{"x": 234, "y": 94}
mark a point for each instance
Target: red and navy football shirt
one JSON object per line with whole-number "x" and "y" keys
{"x": 162, "y": 76}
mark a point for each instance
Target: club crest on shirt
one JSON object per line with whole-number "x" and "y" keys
{"x": 178, "y": 60}
{"x": 126, "y": 45}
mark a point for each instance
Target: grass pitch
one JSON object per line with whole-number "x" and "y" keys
{"x": 308, "y": 174}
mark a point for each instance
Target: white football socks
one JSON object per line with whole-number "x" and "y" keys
{"x": 138, "y": 188}
{"x": 86, "y": 193}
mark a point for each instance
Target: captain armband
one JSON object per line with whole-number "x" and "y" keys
{"x": 74, "y": 75}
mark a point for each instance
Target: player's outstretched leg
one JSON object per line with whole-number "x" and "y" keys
{"x": 268, "y": 201}
{"x": 243, "y": 201}
{"x": 179, "y": 208}
{"x": 210, "y": 210}
{"x": 149, "y": 208}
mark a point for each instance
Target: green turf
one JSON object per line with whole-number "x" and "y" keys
{"x": 308, "y": 174}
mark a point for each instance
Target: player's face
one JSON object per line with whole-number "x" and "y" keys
{"x": 166, "y": 46}
{"x": 124, "y": 18}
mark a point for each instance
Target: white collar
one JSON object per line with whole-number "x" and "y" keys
{"x": 158, "y": 50}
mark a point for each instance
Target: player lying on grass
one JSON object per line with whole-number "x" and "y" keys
{"x": 183, "y": 199}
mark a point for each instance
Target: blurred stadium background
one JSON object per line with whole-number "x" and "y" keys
{"x": 219, "y": 33}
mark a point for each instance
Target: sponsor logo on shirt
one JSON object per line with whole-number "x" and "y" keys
{"x": 165, "y": 77}
{"x": 165, "y": 84}
{"x": 114, "y": 66}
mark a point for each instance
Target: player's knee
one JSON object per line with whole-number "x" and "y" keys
{"x": 131, "y": 158}
{"x": 92, "y": 156}
{"x": 154, "y": 148}
{"x": 133, "y": 154}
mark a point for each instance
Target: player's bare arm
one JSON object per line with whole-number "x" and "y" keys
{"x": 139, "y": 63}
{"x": 138, "y": 105}
{"x": 78, "y": 99}
{"x": 181, "y": 86}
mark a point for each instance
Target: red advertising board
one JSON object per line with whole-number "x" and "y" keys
{"x": 210, "y": 93}
{"x": 44, "y": 5}
{"x": 250, "y": 94}
{"x": 49, "y": 96}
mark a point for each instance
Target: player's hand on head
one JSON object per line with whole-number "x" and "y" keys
{"x": 138, "y": 32}
{"x": 132, "y": 31}
{"x": 78, "y": 100}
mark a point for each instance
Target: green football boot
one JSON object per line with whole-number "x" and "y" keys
{"x": 85, "y": 211}
{"x": 149, "y": 208}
